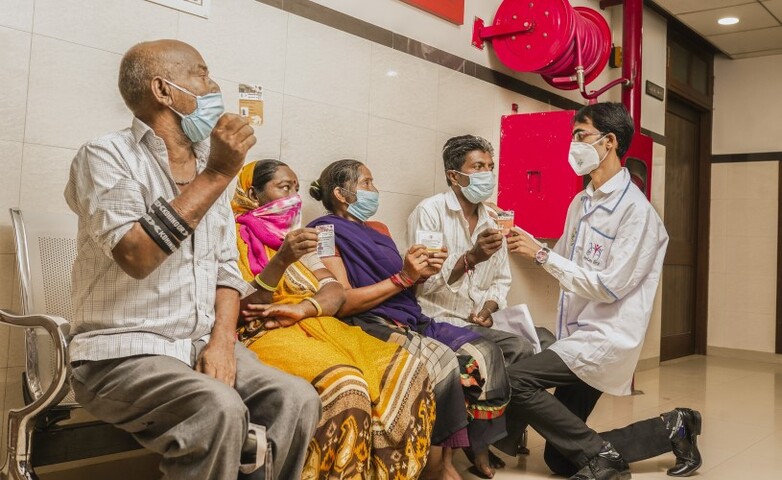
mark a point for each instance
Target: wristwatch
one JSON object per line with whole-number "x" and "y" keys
{"x": 541, "y": 257}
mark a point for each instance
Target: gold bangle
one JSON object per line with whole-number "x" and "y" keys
{"x": 264, "y": 285}
{"x": 318, "y": 308}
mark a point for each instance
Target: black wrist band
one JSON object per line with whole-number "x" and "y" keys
{"x": 159, "y": 233}
{"x": 161, "y": 209}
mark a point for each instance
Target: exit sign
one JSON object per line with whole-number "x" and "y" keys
{"x": 451, "y": 10}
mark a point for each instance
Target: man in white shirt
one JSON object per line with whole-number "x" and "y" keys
{"x": 156, "y": 286}
{"x": 475, "y": 278}
{"x": 608, "y": 263}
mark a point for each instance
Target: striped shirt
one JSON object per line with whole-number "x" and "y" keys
{"x": 491, "y": 279}
{"x": 113, "y": 181}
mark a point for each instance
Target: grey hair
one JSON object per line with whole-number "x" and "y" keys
{"x": 136, "y": 70}
{"x": 456, "y": 149}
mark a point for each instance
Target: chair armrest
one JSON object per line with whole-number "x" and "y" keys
{"x": 57, "y": 328}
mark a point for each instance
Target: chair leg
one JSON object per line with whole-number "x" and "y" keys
{"x": 523, "y": 450}
{"x": 17, "y": 465}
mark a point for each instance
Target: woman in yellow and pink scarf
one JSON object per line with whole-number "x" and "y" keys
{"x": 378, "y": 407}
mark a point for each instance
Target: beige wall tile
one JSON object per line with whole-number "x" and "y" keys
{"x": 394, "y": 210}
{"x": 651, "y": 347}
{"x": 112, "y": 25}
{"x": 719, "y": 258}
{"x": 17, "y": 14}
{"x": 751, "y": 180}
{"x": 11, "y": 165}
{"x": 16, "y": 355}
{"x": 536, "y": 288}
{"x": 400, "y": 157}
{"x": 749, "y": 331}
{"x": 654, "y": 70}
{"x": 719, "y": 217}
{"x": 326, "y": 65}
{"x": 751, "y": 217}
{"x": 3, "y": 409}
{"x": 44, "y": 192}
{"x": 762, "y": 181}
{"x": 7, "y": 290}
{"x": 749, "y": 255}
{"x": 13, "y": 390}
{"x": 315, "y": 134}
{"x": 504, "y": 100}
{"x": 658, "y": 179}
{"x": 465, "y": 105}
{"x": 751, "y": 293}
{"x": 243, "y": 41}
{"x": 14, "y": 72}
{"x": 718, "y": 288}
{"x": 73, "y": 94}
{"x": 720, "y": 331}
{"x": 719, "y": 180}
{"x": 5, "y": 332}
{"x": 7, "y": 285}
{"x": 440, "y": 182}
{"x": 744, "y": 109}
{"x": 403, "y": 88}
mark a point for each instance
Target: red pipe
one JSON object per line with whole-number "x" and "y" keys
{"x": 633, "y": 11}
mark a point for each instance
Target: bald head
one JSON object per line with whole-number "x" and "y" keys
{"x": 168, "y": 59}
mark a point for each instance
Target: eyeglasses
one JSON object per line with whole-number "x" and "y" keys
{"x": 580, "y": 135}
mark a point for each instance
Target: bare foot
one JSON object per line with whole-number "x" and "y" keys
{"x": 449, "y": 470}
{"x": 435, "y": 467}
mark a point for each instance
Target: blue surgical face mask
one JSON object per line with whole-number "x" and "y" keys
{"x": 366, "y": 204}
{"x": 199, "y": 124}
{"x": 480, "y": 188}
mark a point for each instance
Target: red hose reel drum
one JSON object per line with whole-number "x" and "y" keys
{"x": 556, "y": 39}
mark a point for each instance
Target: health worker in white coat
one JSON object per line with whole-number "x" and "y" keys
{"x": 608, "y": 263}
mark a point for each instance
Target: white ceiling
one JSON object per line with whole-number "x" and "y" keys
{"x": 758, "y": 33}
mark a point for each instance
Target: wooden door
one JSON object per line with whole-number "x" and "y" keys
{"x": 683, "y": 132}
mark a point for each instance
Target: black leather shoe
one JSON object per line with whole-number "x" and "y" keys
{"x": 685, "y": 444}
{"x": 606, "y": 465}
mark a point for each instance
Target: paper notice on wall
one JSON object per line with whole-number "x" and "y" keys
{"x": 251, "y": 103}
{"x": 195, "y": 7}
{"x": 518, "y": 320}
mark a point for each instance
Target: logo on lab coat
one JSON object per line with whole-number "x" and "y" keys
{"x": 594, "y": 252}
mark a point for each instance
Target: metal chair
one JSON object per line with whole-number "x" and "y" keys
{"x": 51, "y": 419}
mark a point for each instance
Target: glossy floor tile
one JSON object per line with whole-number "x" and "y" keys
{"x": 741, "y": 402}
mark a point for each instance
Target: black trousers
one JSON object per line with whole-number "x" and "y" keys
{"x": 560, "y": 418}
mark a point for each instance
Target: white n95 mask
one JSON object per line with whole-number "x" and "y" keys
{"x": 583, "y": 157}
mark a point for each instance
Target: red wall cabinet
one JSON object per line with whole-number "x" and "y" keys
{"x": 536, "y": 180}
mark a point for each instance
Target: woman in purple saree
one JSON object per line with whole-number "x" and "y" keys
{"x": 380, "y": 299}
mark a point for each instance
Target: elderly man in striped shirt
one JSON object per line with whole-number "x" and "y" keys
{"x": 156, "y": 286}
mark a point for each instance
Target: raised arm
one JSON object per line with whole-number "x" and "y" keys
{"x": 136, "y": 252}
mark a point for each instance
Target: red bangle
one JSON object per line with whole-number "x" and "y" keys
{"x": 406, "y": 279}
{"x": 401, "y": 280}
{"x": 396, "y": 281}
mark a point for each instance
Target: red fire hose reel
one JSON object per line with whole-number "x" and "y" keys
{"x": 568, "y": 46}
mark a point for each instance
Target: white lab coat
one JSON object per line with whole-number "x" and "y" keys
{"x": 608, "y": 263}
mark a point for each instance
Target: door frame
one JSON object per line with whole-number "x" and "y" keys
{"x": 703, "y": 105}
